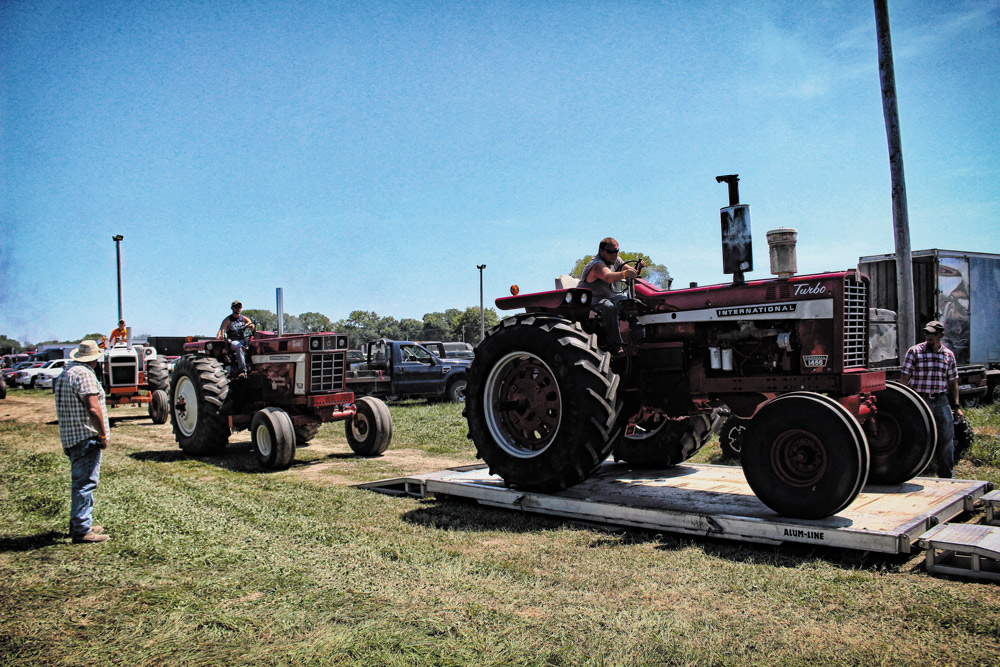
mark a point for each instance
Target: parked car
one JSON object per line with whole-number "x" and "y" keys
{"x": 10, "y": 373}
{"x": 14, "y": 379}
{"x": 26, "y": 378}
{"x": 45, "y": 375}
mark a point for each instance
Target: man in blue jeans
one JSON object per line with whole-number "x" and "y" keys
{"x": 929, "y": 368}
{"x": 83, "y": 430}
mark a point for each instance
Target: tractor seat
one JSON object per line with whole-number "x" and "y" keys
{"x": 565, "y": 282}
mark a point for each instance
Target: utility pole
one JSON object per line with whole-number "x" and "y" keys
{"x": 482, "y": 313}
{"x": 117, "y": 238}
{"x": 905, "y": 316}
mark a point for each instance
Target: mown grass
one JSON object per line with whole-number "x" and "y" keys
{"x": 214, "y": 563}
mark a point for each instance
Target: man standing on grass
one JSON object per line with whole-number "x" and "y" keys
{"x": 83, "y": 429}
{"x": 929, "y": 368}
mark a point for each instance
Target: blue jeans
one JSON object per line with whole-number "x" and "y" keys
{"x": 85, "y": 466}
{"x": 944, "y": 455}
{"x": 241, "y": 360}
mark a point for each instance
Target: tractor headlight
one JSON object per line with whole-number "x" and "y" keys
{"x": 584, "y": 298}
{"x": 342, "y": 342}
{"x": 569, "y": 298}
{"x": 315, "y": 343}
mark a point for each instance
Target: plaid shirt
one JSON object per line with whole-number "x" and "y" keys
{"x": 930, "y": 371}
{"x": 71, "y": 387}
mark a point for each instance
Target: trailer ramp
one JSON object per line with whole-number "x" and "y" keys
{"x": 713, "y": 501}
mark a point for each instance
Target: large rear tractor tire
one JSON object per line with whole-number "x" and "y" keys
{"x": 199, "y": 392}
{"x": 273, "y": 437}
{"x": 901, "y": 436}
{"x": 661, "y": 442}
{"x": 542, "y": 402}
{"x": 3, "y": 389}
{"x": 157, "y": 376}
{"x": 804, "y": 456}
{"x": 159, "y": 407}
{"x": 369, "y": 432}
{"x": 731, "y": 436}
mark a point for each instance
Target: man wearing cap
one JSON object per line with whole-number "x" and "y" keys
{"x": 83, "y": 430}
{"x": 929, "y": 368}
{"x": 234, "y": 327}
{"x": 121, "y": 333}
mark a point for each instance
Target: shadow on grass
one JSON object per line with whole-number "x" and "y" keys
{"x": 30, "y": 542}
{"x": 467, "y": 515}
{"x": 237, "y": 457}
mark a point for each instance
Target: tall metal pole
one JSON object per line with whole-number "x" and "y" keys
{"x": 118, "y": 251}
{"x": 906, "y": 318}
{"x": 482, "y": 313}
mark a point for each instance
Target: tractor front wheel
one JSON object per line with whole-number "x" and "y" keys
{"x": 159, "y": 406}
{"x": 369, "y": 432}
{"x": 542, "y": 402}
{"x": 273, "y": 437}
{"x": 804, "y": 456}
{"x": 901, "y": 435}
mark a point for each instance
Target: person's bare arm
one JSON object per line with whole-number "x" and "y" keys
{"x": 96, "y": 416}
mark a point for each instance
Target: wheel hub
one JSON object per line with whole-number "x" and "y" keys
{"x": 798, "y": 458}
{"x": 523, "y": 404}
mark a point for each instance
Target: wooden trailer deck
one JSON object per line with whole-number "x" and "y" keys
{"x": 714, "y": 501}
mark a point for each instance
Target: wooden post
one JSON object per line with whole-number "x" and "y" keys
{"x": 905, "y": 316}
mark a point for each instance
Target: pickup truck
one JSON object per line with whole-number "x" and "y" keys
{"x": 398, "y": 368}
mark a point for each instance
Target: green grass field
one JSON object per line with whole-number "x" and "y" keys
{"x": 213, "y": 562}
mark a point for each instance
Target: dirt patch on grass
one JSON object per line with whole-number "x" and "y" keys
{"x": 327, "y": 460}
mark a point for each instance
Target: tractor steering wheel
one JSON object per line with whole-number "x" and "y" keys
{"x": 629, "y": 283}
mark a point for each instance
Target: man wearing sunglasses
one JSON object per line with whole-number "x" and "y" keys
{"x": 599, "y": 274}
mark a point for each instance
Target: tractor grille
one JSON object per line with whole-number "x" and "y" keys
{"x": 326, "y": 371}
{"x": 122, "y": 374}
{"x": 855, "y": 323}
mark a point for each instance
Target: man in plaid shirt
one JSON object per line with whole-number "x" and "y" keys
{"x": 83, "y": 430}
{"x": 929, "y": 368}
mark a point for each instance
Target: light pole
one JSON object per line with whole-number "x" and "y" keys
{"x": 117, "y": 238}
{"x": 482, "y": 313}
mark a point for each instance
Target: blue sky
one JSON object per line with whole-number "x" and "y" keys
{"x": 368, "y": 155}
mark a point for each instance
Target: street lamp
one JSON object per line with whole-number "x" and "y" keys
{"x": 117, "y": 238}
{"x": 482, "y": 313}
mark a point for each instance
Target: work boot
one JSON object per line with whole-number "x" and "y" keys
{"x": 97, "y": 529}
{"x": 90, "y": 538}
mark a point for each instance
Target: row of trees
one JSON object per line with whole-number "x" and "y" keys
{"x": 361, "y": 325}
{"x": 364, "y": 326}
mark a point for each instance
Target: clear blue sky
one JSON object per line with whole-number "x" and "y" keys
{"x": 367, "y": 155}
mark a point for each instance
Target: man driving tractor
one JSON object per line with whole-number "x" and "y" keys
{"x": 599, "y": 275}
{"x": 235, "y": 328}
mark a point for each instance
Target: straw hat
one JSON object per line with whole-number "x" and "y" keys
{"x": 88, "y": 351}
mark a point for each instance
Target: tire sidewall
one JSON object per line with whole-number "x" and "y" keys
{"x": 843, "y": 459}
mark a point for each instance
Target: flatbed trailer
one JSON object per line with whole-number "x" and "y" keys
{"x": 713, "y": 501}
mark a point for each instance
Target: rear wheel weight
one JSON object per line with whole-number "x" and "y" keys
{"x": 542, "y": 402}
{"x": 802, "y": 456}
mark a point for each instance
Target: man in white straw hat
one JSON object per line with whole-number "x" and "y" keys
{"x": 83, "y": 429}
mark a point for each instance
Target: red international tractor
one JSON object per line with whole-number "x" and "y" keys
{"x": 293, "y": 384}
{"x": 547, "y": 400}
